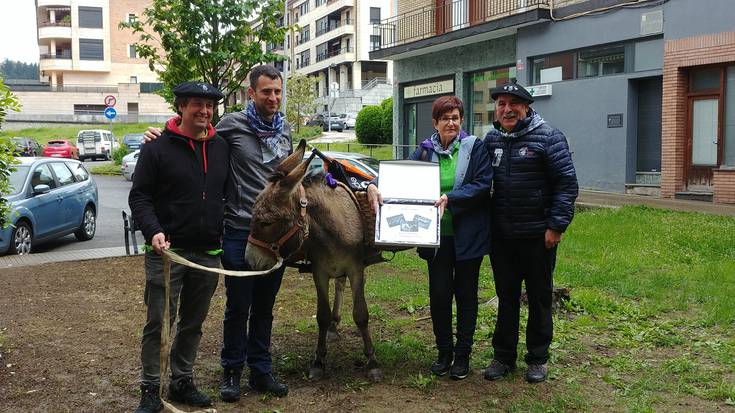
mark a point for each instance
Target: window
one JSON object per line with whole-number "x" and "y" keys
{"x": 90, "y": 17}
{"x": 149, "y": 87}
{"x": 601, "y": 61}
{"x": 553, "y": 68}
{"x": 374, "y": 42}
{"x": 305, "y": 57}
{"x": 482, "y": 111}
{"x": 303, "y": 8}
{"x": 42, "y": 176}
{"x": 347, "y": 17}
{"x": 80, "y": 174}
{"x": 133, "y": 79}
{"x": 375, "y": 15}
{"x": 132, "y": 18}
{"x": 729, "y": 129}
{"x": 318, "y": 3}
{"x": 321, "y": 52}
{"x": 131, "y": 52}
{"x": 89, "y": 109}
{"x": 91, "y": 49}
{"x": 63, "y": 174}
{"x": 305, "y": 37}
{"x": 597, "y": 61}
{"x": 322, "y": 26}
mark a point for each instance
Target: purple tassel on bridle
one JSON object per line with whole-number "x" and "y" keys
{"x": 331, "y": 182}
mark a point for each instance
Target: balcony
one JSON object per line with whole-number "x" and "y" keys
{"x": 334, "y": 25}
{"x": 51, "y": 3}
{"x": 56, "y": 30}
{"x": 59, "y": 61}
{"x": 333, "y": 53}
{"x": 447, "y": 22}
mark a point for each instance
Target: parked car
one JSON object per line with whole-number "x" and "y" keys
{"x": 316, "y": 120}
{"x": 133, "y": 141}
{"x": 61, "y": 149}
{"x": 350, "y": 119}
{"x": 26, "y": 146}
{"x": 363, "y": 163}
{"x": 96, "y": 144}
{"x": 49, "y": 198}
{"x": 337, "y": 124}
{"x": 128, "y": 164}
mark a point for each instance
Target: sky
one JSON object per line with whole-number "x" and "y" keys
{"x": 18, "y": 39}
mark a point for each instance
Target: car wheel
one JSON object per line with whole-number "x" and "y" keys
{"x": 22, "y": 241}
{"x": 88, "y": 227}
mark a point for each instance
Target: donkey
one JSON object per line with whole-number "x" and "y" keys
{"x": 294, "y": 217}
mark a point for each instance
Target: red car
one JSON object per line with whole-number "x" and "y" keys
{"x": 61, "y": 149}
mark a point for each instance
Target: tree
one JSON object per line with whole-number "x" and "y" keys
{"x": 301, "y": 98}
{"x": 11, "y": 69}
{"x": 212, "y": 40}
{"x": 386, "y": 123}
{"x": 8, "y": 101}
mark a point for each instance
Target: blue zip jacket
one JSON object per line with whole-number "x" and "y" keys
{"x": 469, "y": 200}
{"x": 534, "y": 182}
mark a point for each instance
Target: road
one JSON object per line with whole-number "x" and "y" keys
{"x": 113, "y": 198}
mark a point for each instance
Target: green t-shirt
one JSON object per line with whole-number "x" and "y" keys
{"x": 447, "y": 168}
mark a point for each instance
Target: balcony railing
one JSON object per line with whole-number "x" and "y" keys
{"x": 57, "y": 23}
{"x": 66, "y": 54}
{"x": 303, "y": 63}
{"x": 333, "y": 25}
{"x": 449, "y": 16}
{"x": 332, "y": 53}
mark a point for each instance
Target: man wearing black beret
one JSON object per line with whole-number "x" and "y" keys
{"x": 177, "y": 201}
{"x": 534, "y": 189}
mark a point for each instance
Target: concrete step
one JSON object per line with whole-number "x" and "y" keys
{"x": 643, "y": 189}
{"x": 694, "y": 196}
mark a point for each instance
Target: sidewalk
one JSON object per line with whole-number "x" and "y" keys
{"x": 591, "y": 199}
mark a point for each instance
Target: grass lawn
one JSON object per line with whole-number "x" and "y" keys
{"x": 380, "y": 152}
{"x": 648, "y": 328}
{"x": 43, "y": 135}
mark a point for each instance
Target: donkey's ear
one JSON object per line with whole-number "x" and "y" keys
{"x": 295, "y": 176}
{"x": 294, "y": 159}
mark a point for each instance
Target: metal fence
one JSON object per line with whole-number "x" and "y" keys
{"x": 446, "y": 17}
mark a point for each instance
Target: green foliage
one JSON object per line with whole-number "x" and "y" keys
{"x": 8, "y": 102}
{"x": 45, "y": 134}
{"x": 118, "y": 154}
{"x": 106, "y": 169}
{"x": 386, "y": 123}
{"x": 368, "y": 125}
{"x": 306, "y": 132}
{"x": 301, "y": 99}
{"x": 216, "y": 42}
{"x": 237, "y": 107}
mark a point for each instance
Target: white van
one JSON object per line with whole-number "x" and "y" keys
{"x": 96, "y": 144}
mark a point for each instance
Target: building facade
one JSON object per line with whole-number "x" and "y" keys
{"x": 85, "y": 57}
{"x": 644, "y": 91}
{"x": 331, "y": 41}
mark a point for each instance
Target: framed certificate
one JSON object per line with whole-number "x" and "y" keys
{"x": 408, "y": 216}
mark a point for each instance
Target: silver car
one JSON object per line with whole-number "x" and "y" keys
{"x": 128, "y": 164}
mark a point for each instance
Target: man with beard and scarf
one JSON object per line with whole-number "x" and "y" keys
{"x": 534, "y": 189}
{"x": 176, "y": 200}
{"x": 259, "y": 139}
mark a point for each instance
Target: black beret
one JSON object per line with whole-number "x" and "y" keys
{"x": 512, "y": 88}
{"x": 198, "y": 89}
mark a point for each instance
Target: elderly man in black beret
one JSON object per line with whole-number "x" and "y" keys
{"x": 535, "y": 187}
{"x": 177, "y": 201}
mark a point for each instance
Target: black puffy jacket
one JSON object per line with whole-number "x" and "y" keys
{"x": 534, "y": 182}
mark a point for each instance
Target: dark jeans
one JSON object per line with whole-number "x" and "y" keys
{"x": 513, "y": 261}
{"x": 449, "y": 278}
{"x": 249, "y": 309}
{"x": 192, "y": 290}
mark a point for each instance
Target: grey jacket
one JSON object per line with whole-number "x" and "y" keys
{"x": 248, "y": 174}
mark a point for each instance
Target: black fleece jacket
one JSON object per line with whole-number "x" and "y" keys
{"x": 179, "y": 188}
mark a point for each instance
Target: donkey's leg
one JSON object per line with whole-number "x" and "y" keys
{"x": 339, "y": 289}
{"x": 321, "y": 281}
{"x": 361, "y": 316}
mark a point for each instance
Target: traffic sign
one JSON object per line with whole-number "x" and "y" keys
{"x": 110, "y": 113}
{"x": 110, "y": 101}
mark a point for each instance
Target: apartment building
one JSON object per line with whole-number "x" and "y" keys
{"x": 332, "y": 41}
{"x": 644, "y": 90}
{"x": 85, "y": 57}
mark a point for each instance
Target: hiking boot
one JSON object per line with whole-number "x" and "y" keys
{"x": 150, "y": 402}
{"x": 266, "y": 383}
{"x": 229, "y": 389}
{"x": 537, "y": 373}
{"x": 497, "y": 370}
{"x": 184, "y": 391}
{"x": 460, "y": 367}
{"x": 442, "y": 364}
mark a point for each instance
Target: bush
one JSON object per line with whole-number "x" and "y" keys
{"x": 306, "y": 132}
{"x": 386, "y": 123}
{"x": 117, "y": 154}
{"x": 368, "y": 125}
{"x": 237, "y": 107}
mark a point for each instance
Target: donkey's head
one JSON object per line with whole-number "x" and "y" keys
{"x": 279, "y": 224}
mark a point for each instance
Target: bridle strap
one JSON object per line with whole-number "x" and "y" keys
{"x": 275, "y": 247}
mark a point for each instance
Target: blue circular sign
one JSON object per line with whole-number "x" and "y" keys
{"x": 110, "y": 113}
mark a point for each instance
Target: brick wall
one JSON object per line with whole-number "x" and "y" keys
{"x": 680, "y": 55}
{"x": 120, "y": 39}
{"x": 724, "y": 182}
{"x": 409, "y": 5}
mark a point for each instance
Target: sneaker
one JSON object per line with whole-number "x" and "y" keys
{"x": 460, "y": 367}
{"x": 150, "y": 402}
{"x": 266, "y": 383}
{"x": 229, "y": 389}
{"x": 184, "y": 391}
{"x": 497, "y": 370}
{"x": 537, "y": 373}
{"x": 442, "y": 364}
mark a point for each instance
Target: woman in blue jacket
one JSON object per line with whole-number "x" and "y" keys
{"x": 465, "y": 180}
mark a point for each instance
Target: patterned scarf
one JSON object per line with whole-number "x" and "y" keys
{"x": 439, "y": 149}
{"x": 271, "y": 136}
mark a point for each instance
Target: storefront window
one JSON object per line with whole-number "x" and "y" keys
{"x": 480, "y": 116}
{"x": 602, "y": 61}
{"x": 729, "y": 153}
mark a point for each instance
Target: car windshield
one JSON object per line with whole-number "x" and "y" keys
{"x": 56, "y": 143}
{"x": 133, "y": 138}
{"x": 17, "y": 178}
{"x": 373, "y": 163}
